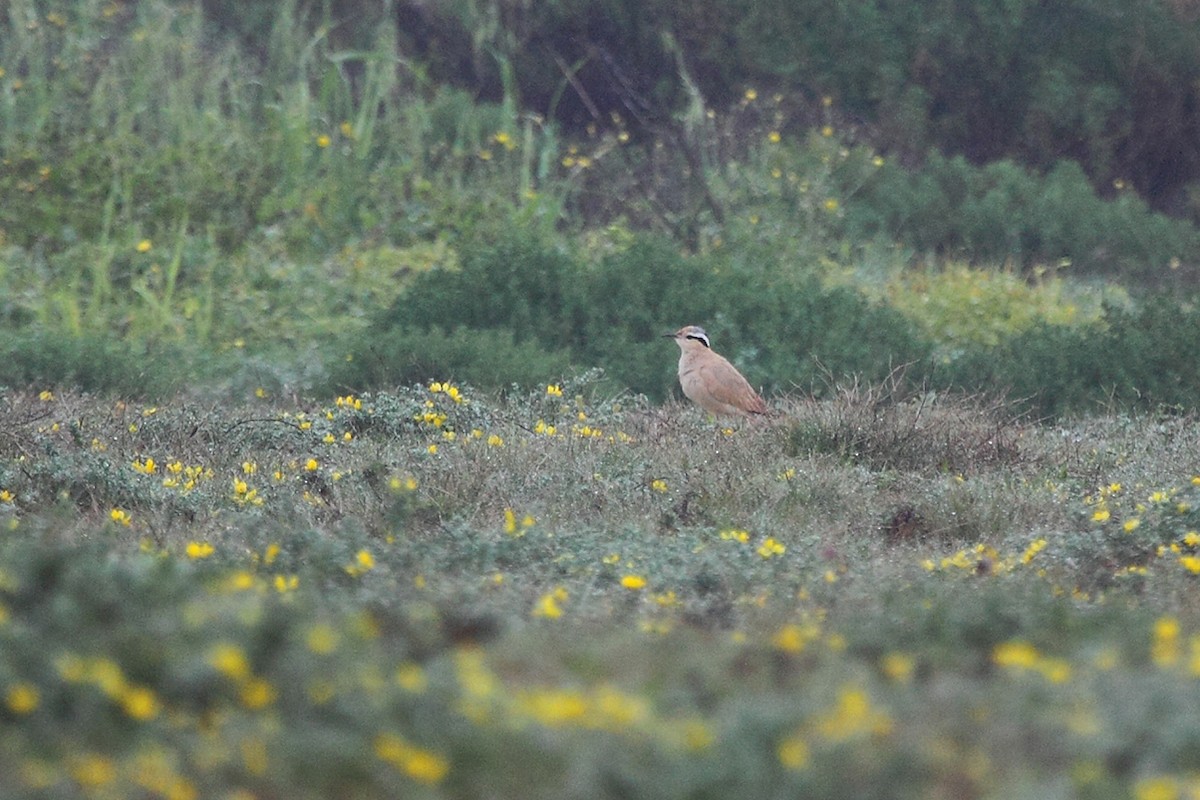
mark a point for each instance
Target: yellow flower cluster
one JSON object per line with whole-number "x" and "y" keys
{"x": 852, "y": 716}
{"x": 599, "y": 707}
{"x": 516, "y": 528}
{"x": 1020, "y": 656}
{"x": 418, "y": 763}
{"x": 137, "y": 702}
{"x": 549, "y": 606}
{"x": 363, "y": 563}
{"x": 230, "y": 661}
{"x": 771, "y": 547}
{"x": 983, "y": 559}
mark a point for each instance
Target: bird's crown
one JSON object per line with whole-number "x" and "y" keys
{"x": 694, "y": 332}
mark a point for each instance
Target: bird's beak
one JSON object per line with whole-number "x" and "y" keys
{"x": 668, "y": 335}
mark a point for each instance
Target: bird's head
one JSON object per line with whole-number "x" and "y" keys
{"x": 689, "y": 337}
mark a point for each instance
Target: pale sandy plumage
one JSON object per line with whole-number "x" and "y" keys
{"x": 709, "y": 380}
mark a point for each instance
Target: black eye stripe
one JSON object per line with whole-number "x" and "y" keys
{"x": 699, "y": 338}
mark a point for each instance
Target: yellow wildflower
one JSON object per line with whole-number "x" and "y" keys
{"x": 634, "y": 582}
{"x": 1035, "y": 547}
{"x": 22, "y": 698}
{"x": 1158, "y": 788}
{"x": 852, "y": 716}
{"x": 898, "y": 666}
{"x": 196, "y": 550}
{"x": 1015, "y": 653}
{"x": 548, "y": 606}
{"x": 230, "y": 660}
{"x": 793, "y": 752}
{"x": 1164, "y": 646}
{"x": 411, "y": 678}
{"x": 792, "y": 638}
{"x": 139, "y": 703}
{"x": 93, "y": 770}
{"x": 423, "y": 766}
{"x": 770, "y": 547}
{"x": 322, "y": 639}
{"x": 257, "y": 693}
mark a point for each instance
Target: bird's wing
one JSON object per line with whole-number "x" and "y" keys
{"x": 727, "y": 385}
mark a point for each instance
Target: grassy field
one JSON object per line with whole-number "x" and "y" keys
{"x": 213, "y": 585}
{"x": 435, "y": 592}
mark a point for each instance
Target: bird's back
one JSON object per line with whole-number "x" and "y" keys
{"x": 710, "y": 381}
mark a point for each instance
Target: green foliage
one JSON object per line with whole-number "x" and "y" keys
{"x": 1025, "y": 81}
{"x": 125, "y": 117}
{"x": 958, "y": 306}
{"x": 612, "y": 313}
{"x": 33, "y": 358}
{"x": 136, "y": 118}
{"x": 1134, "y": 526}
{"x": 1002, "y": 212}
{"x": 1134, "y": 358}
{"x": 491, "y": 357}
{"x": 249, "y": 188}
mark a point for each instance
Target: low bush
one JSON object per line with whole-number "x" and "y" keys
{"x": 491, "y": 357}
{"x": 781, "y": 331}
{"x": 1003, "y": 212}
{"x": 1133, "y": 358}
{"x": 97, "y": 364}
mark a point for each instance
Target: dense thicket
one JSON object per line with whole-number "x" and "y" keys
{"x": 1111, "y": 84}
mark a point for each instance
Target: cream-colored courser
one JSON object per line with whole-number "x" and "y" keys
{"x": 709, "y": 380}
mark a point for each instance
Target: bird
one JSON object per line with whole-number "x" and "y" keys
{"x": 709, "y": 380}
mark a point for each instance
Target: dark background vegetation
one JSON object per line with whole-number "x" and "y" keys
{"x": 1108, "y": 84}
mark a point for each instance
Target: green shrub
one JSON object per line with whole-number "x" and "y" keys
{"x": 490, "y": 357}
{"x": 611, "y": 313}
{"x": 1003, "y": 212}
{"x": 957, "y": 305}
{"x": 96, "y": 364}
{"x": 1138, "y": 358}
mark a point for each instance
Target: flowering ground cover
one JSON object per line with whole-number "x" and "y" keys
{"x": 435, "y": 592}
